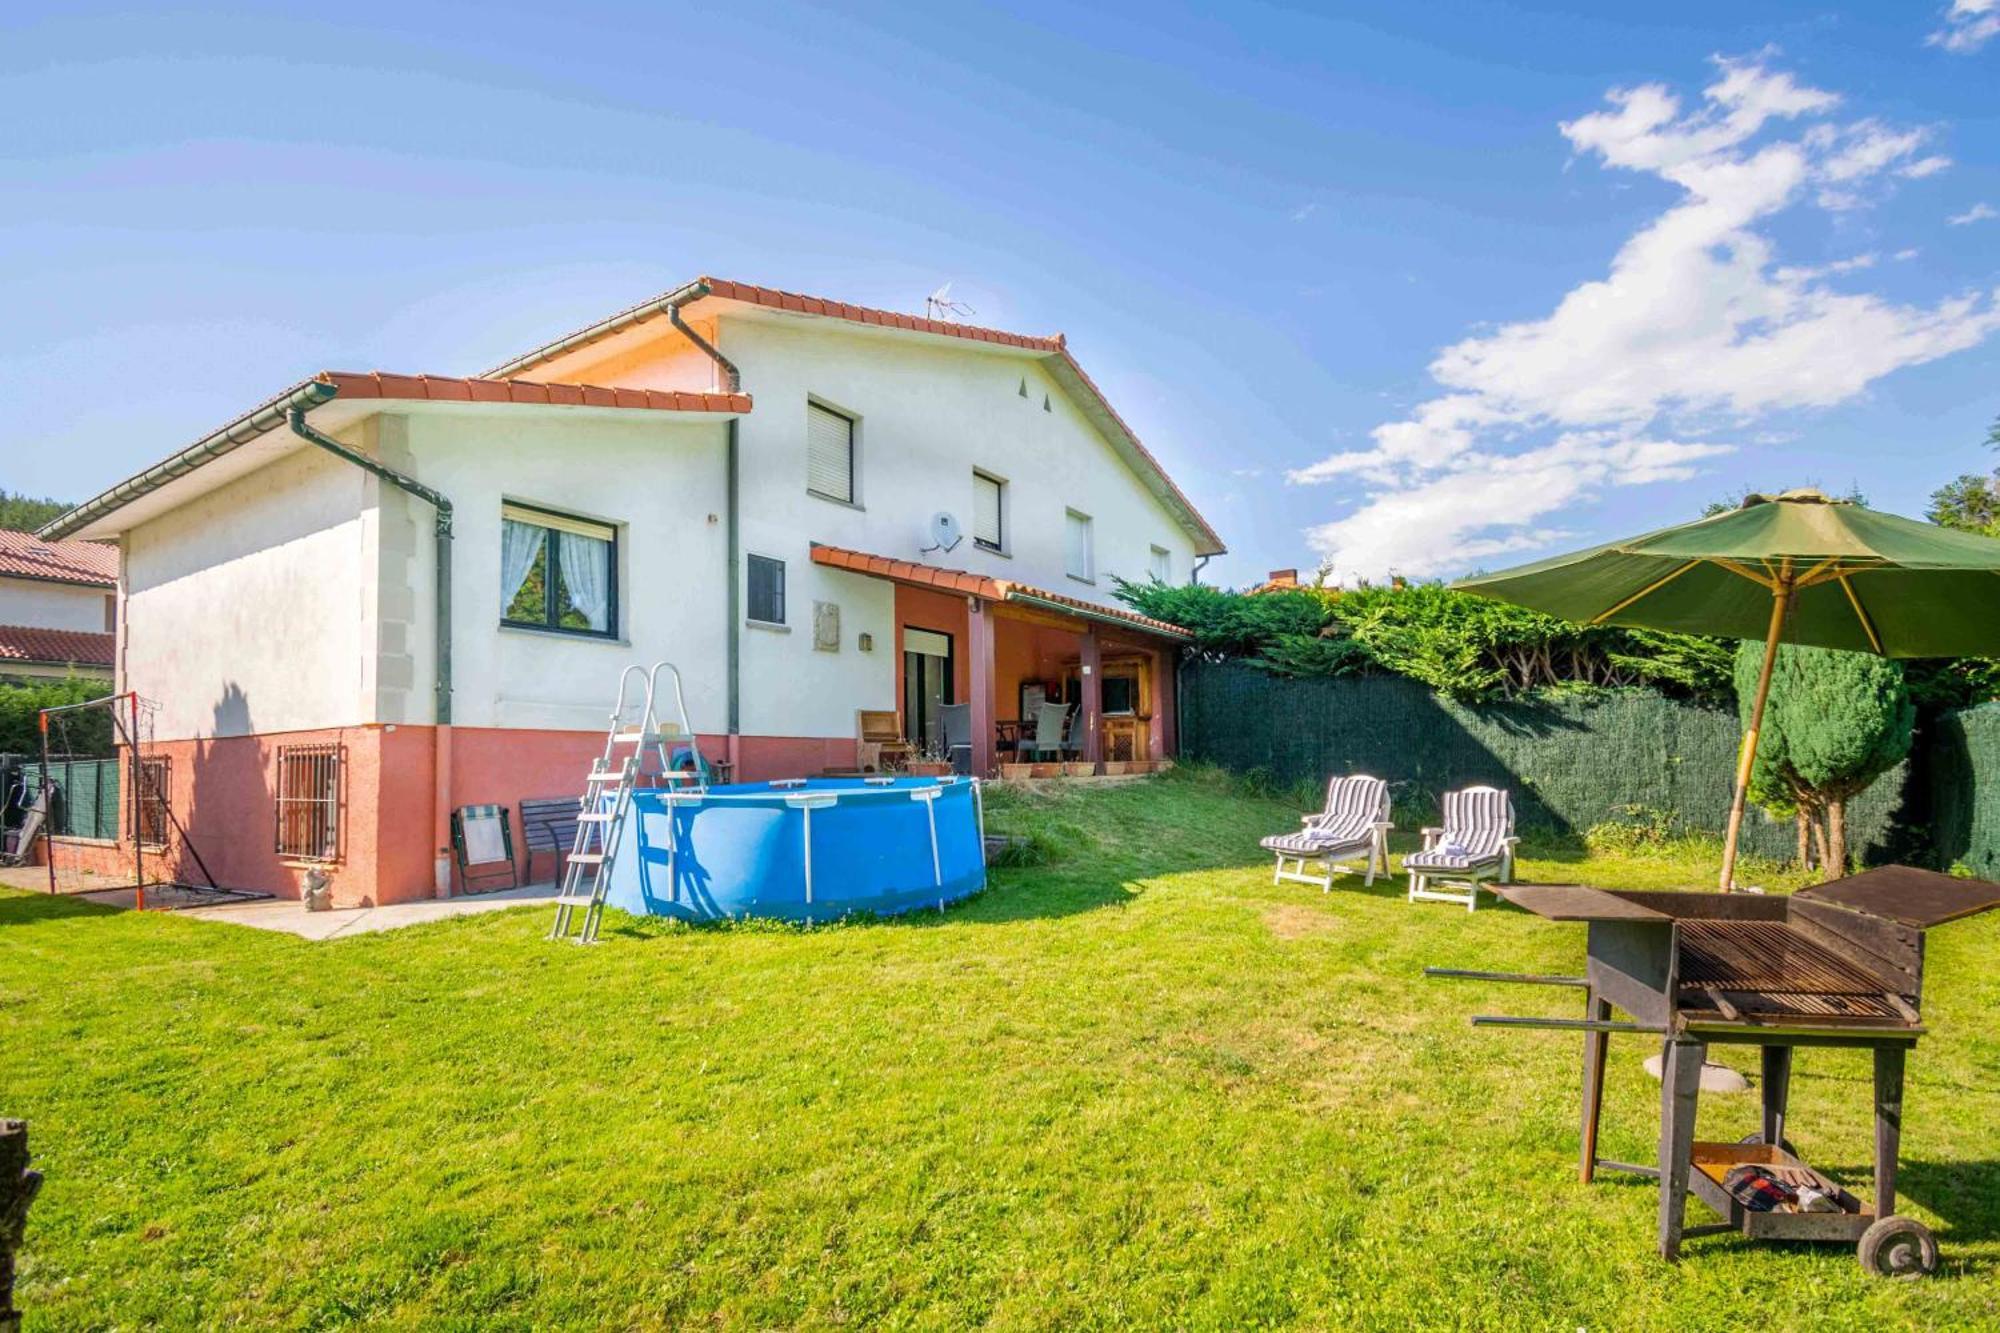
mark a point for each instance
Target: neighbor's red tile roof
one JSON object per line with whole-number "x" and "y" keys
{"x": 55, "y": 647}
{"x": 23, "y": 555}
{"x": 474, "y": 389}
{"x": 977, "y": 585}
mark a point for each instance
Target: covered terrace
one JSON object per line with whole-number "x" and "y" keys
{"x": 1003, "y": 647}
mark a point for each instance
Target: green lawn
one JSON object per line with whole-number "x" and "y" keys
{"x": 1135, "y": 1086}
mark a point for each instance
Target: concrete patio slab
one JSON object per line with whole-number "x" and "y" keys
{"x": 288, "y": 916}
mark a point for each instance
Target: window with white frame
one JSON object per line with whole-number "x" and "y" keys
{"x": 829, "y": 454}
{"x": 765, "y": 603}
{"x": 1162, "y": 564}
{"x": 989, "y": 504}
{"x": 1078, "y": 559}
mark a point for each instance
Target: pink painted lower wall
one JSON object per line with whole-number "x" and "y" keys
{"x": 392, "y": 835}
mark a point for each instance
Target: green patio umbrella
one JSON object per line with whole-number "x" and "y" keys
{"x": 1792, "y": 568}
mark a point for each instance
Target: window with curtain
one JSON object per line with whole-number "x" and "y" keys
{"x": 829, "y": 454}
{"x": 1078, "y": 560}
{"x": 766, "y": 600}
{"x": 987, "y": 495}
{"x": 557, "y": 572}
{"x": 1162, "y": 564}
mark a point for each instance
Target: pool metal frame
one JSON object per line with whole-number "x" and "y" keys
{"x": 795, "y": 795}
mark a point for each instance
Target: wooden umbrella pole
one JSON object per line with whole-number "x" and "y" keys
{"x": 1781, "y": 597}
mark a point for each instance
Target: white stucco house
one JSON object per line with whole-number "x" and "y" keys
{"x": 58, "y": 607}
{"x": 428, "y": 586}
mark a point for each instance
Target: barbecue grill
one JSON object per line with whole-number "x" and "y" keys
{"x": 1839, "y": 964}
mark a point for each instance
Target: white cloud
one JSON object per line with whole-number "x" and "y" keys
{"x": 1977, "y": 213}
{"x": 1695, "y": 321}
{"x": 1968, "y": 25}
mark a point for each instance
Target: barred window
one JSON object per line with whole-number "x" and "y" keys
{"x": 155, "y": 782}
{"x": 308, "y": 801}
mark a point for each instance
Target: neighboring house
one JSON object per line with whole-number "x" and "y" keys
{"x": 58, "y": 606}
{"x": 615, "y": 497}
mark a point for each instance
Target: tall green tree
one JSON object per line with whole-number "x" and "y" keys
{"x": 1971, "y": 501}
{"x": 21, "y": 513}
{"x": 1835, "y": 722}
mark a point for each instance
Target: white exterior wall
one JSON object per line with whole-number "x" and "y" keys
{"x": 243, "y": 607}
{"x": 47, "y": 605}
{"x": 928, "y": 415}
{"x": 657, "y": 478}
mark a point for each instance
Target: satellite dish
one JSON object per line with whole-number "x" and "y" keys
{"x": 945, "y": 534}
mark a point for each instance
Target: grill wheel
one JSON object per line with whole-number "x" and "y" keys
{"x": 1899, "y": 1247}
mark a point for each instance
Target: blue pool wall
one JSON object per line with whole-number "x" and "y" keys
{"x": 739, "y": 850}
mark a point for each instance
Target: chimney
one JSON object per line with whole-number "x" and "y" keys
{"x": 1283, "y": 578}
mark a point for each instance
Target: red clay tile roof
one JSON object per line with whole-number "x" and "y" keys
{"x": 978, "y": 585}
{"x": 1053, "y": 345}
{"x": 454, "y": 389}
{"x": 23, "y": 555}
{"x": 54, "y": 647}
{"x": 861, "y": 314}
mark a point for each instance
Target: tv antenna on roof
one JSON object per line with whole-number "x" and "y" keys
{"x": 939, "y": 305}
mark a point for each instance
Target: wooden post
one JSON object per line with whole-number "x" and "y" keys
{"x": 1166, "y": 689}
{"x": 18, "y": 1187}
{"x": 1888, "y": 1124}
{"x": 1093, "y": 703}
{"x": 1680, "y": 1087}
{"x": 979, "y": 652}
{"x": 1777, "y": 1091}
{"x": 1781, "y": 598}
{"x": 1595, "y": 1046}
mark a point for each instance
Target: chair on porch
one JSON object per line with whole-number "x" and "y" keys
{"x": 1049, "y": 737}
{"x": 955, "y": 724}
{"x": 1072, "y": 743}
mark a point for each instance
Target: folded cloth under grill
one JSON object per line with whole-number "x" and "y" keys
{"x": 1757, "y": 1189}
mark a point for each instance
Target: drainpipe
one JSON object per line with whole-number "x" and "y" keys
{"x": 1194, "y": 576}
{"x": 733, "y": 382}
{"x": 296, "y": 417}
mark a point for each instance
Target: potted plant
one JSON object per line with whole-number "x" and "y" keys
{"x": 931, "y": 762}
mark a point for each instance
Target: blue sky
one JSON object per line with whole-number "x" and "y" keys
{"x": 1262, "y": 232}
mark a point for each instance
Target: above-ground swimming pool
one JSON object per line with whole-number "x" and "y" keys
{"x": 805, "y": 850}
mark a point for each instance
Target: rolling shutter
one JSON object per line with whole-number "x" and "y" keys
{"x": 986, "y": 511}
{"x": 1078, "y": 561}
{"x": 829, "y": 454}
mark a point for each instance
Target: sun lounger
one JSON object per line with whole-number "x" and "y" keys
{"x": 1473, "y": 845}
{"x": 1354, "y": 823}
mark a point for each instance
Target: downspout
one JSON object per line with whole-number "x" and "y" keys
{"x": 296, "y": 418}
{"x": 733, "y": 382}
{"x": 1194, "y": 576}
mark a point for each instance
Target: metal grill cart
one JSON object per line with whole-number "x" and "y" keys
{"x": 1839, "y": 964}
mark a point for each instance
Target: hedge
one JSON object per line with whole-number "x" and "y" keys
{"x": 1962, "y": 756}
{"x": 1571, "y": 762}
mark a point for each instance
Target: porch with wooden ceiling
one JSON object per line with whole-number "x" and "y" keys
{"x": 1003, "y": 647}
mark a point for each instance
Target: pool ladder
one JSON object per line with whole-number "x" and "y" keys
{"x": 635, "y": 736}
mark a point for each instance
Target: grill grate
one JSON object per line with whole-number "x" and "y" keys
{"x": 1765, "y": 956}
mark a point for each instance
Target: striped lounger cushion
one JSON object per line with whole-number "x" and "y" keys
{"x": 1476, "y": 824}
{"x": 1353, "y": 805}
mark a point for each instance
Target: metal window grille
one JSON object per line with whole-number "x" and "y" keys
{"x": 155, "y": 782}
{"x": 308, "y": 801}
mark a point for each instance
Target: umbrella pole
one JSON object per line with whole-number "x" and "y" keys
{"x": 1781, "y": 596}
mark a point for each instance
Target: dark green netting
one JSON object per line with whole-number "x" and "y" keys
{"x": 1571, "y": 762}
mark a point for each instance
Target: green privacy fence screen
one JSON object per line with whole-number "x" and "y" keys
{"x": 87, "y": 795}
{"x": 1571, "y": 763}
{"x": 1962, "y": 756}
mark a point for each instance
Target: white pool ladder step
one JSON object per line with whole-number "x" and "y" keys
{"x": 629, "y": 744}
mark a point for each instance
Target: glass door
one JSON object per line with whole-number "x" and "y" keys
{"x": 926, "y": 685}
